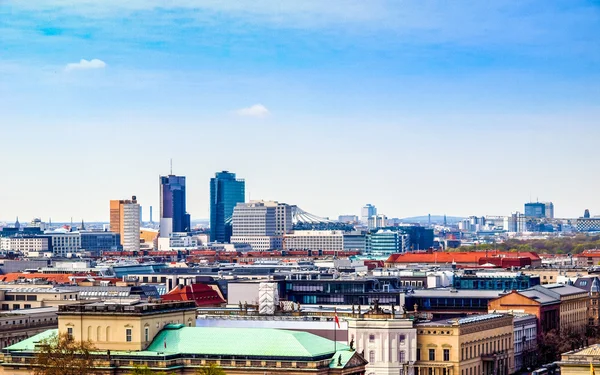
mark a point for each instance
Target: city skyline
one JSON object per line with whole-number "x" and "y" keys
{"x": 327, "y": 105}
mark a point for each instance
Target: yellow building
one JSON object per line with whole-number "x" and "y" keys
{"x": 578, "y": 362}
{"x": 477, "y": 345}
{"x": 122, "y": 326}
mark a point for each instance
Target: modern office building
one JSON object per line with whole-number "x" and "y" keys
{"x": 65, "y": 244}
{"x": 366, "y": 212}
{"x": 331, "y": 240}
{"x": 591, "y": 224}
{"x": 96, "y": 242}
{"x": 349, "y": 219}
{"x": 25, "y": 244}
{"x": 226, "y": 191}
{"x": 261, "y": 224}
{"x": 549, "y": 210}
{"x": 355, "y": 241}
{"x": 494, "y": 280}
{"x": 173, "y": 214}
{"x": 385, "y": 242}
{"x": 535, "y": 210}
{"x": 377, "y": 221}
{"x": 125, "y": 220}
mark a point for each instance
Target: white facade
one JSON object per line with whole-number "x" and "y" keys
{"x": 131, "y": 227}
{"x": 390, "y": 345}
{"x": 525, "y": 338}
{"x": 25, "y": 244}
{"x": 377, "y": 221}
{"x": 314, "y": 240}
{"x": 178, "y": 241}
{"x": 261, "y": 224}
{"x": 259, "y": 243}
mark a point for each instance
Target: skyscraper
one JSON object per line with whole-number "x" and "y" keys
{"x": 225, "y": 193}
{"x": 173, "y": 215}
{"x": 366, "y": 212}
{"x": 125, "y": 220}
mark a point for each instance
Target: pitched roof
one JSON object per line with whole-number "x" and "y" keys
{"x": 259, "y": 342}
{"x": 202, "y": 294}
{"x": 59, "y": 278}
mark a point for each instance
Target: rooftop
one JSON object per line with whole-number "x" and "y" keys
{"x": 126, "y": 306}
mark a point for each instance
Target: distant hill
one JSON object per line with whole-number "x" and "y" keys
{"x": 434, "y": 219}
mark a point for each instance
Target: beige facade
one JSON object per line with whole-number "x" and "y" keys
{"x": 579, "y": 362}
{"x": 20, "y": 298}
{"x": 122, "y": 327}
{"x": 479, "y": 345}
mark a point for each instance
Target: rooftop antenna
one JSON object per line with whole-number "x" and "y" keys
{"x": 171, "y": 164}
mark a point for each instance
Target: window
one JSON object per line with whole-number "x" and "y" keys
{"x": 128, "y": 335}
{"x": 446, "y": 355}
{"x": 371, "y": 338}
{"x": 27, "y": 306}
{"x": 432, "y": 354}
{"x": 401, "y": 356}
{"x": 418, "y": 354}
{"x": 147, "y": 334}
{"x": 372, "y": 356}
{"x": 402, "y": 339}
{"x": 70, "y": 331}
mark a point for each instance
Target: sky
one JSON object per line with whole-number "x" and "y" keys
{"x": 463, "y": 107}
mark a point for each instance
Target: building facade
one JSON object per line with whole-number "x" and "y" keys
{"x": 525, "y": 341}
{"x": 226, "y": 191}
{"x": 314, "y": 240}
{"x": 385, "y": 242}
{"x": 173, "y": 212}
{"x": 261, "y": 224}
{"x": 389, "y": 345}
{"x": 481, "y": 344}
{"x": 125, "y": 220}
{"x": 366, "y": 212}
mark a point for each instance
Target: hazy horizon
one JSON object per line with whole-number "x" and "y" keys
{"x": 464, "y": 108}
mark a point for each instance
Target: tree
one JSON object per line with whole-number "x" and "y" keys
{"x": 62, "y": 355}
{"x": 212, "y": 369}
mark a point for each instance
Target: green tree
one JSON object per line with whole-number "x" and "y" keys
{"x": 62, "y": 355}
{"x": 212, "y": 369}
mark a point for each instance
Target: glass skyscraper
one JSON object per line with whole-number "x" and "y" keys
{"x": 173, "y": 214}
{"x": 225, "y": 192}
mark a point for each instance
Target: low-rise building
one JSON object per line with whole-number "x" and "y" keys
{"x": 314, "y": 240}
{"x": 546, "y": 308}
{"x": 163, "y": 337}
{"x": 481, "y": 344}
{"x": 525, "y": 341}
{"x": 22, "y": 324}
{"x": 580, "y": 361}
{"x": 20, "y": 298}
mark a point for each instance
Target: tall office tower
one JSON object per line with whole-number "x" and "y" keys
{"x": 549, "y": 210}
{"x": 125, "y": 220}
{"x": 261, "y": 224}
{"x": 173, "y": 215}
{"x": 225, "y": 193}
{"x": 535, "y": 209}
{"x": 366, "y": 212}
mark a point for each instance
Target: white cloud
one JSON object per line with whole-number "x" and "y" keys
{"x": 86, "y": 64}
{"x": 256, "y": 110}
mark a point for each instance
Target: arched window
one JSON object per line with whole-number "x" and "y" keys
{"x": 402, "y": 356}
{"x": 98, "y": 333}
{"x": 89, "y": 333}
{"x": 108, "y": 334}
{"x": 372, "y": 356}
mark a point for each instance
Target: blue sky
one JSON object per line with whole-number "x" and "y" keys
{"x": 462, "y": 107}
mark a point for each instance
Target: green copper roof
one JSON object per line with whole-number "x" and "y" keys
{"x": 261, "y": 342}
{"x": 345, "y": 354}
{"x": 29, "y": 344}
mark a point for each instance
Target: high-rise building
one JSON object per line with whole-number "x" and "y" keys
{"x": 386, "y": 242}
{"x": 377, "y": 221}
{"x": 125, "y": 220}
{"x": 261, "y": 224}
{"x": 173, "y": 214}
{"x": 226, "y": 191}
{"x": 549, "y": 210}
{"x": 366, "y": 212}
{"x": 535, "y": 209}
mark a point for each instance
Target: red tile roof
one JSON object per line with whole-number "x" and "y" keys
{"x": 458, "y": 257}
{"x": 202, "y": 294}
{"x": 58, "y": 278}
